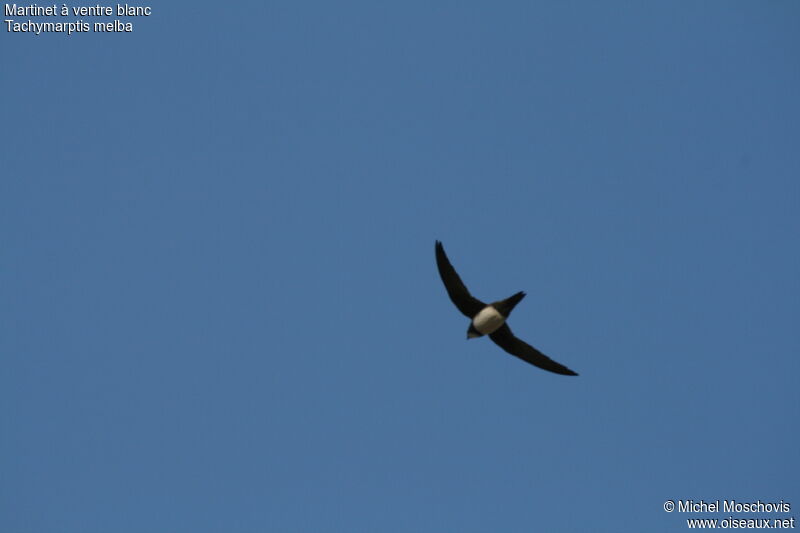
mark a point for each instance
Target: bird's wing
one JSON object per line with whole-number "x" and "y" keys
{"x": 466, "y": 303}
{"x": 507, "y": 341}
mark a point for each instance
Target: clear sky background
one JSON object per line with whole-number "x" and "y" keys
{"x": 220, "y": 305}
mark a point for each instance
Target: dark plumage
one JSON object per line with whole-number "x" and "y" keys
{"x": 490, "y": 319}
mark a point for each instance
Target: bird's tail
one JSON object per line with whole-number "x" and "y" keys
{"x": 506, "y": 306}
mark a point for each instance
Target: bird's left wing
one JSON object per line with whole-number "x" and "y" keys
{"x": 505, "y": 339}
{"x": 466, "y": 303}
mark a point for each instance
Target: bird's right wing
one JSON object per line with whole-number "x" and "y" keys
{"x": 505, "y": 339}
{"x": 466, "y": 303}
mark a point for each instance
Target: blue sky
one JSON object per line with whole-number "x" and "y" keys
{"x": 221, "y": 306}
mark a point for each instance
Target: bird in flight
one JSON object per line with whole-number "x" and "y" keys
{"x": 490, "y": 319}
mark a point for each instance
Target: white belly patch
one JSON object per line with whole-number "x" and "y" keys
{"x": 488, "y": 320}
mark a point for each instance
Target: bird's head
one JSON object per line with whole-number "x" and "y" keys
{"x": 473, "y": 333}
